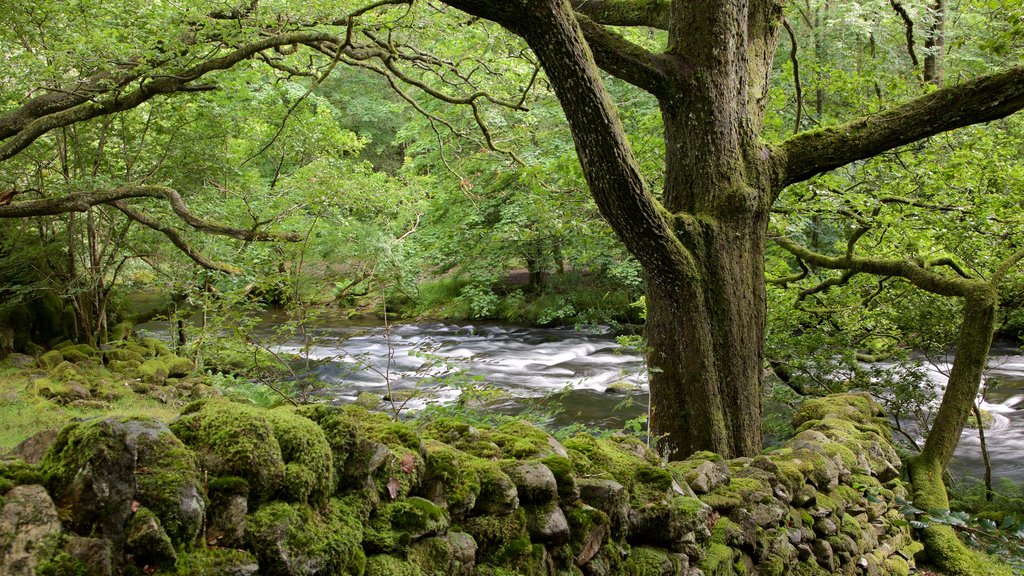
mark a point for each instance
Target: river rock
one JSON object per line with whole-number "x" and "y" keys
{"x": 21, "y": 361}
{"x": 29, "y": 527}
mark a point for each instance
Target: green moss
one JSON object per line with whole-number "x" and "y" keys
{"x": 619, "y": 459}
{"x": 859, "y": 410}
{"x": 565, "y": 476}
{"x": 286, "y": 537}
{"x": 122, "y": 355}
{"x": 499, "y": 537}
{"x": 228, "y": 485}
{"x": 166, "y": 470}
{"x": 398, "y": 524}
{"x": 339, "y": 430}
{"x": 726, "y": 532}
{"x": 719, "y": 561}
{"x": 51, "y": 359}
{"x": 212, "y": 561}
{"x": 771, "y": 565}
{"x": 62, "y": 564}
{"x": 234, "y": 440}
{"x": 450, "y": 471}
{"x": 177, "y": 366}
{"x": 155, "y": 347}
{"x": 645, "y": 561}
{"x": 153, "y": 371}
{"x": 309, "y": 467}
{"x": 736, "y": 492}
{"x": 385, "y": 565}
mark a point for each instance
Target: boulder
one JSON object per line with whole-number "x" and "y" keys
{"x": 33, "y": 448}
{"x": 292, "y": 539}
{"x": 547, "y": 524}
{"x": 146, "y": 543}
{"x": 535, "y": 484}
{"x": 95, "y": 554}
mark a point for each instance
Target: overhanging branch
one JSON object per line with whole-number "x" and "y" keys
{"x": 980, "y": 100}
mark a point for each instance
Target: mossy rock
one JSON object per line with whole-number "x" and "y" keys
{"x": 398, "y": 524}
{"x": 453, "y": 554}
{"x": 51, "y": 359}
{"x": 234, "y": 440}
{"x": 625, "y": 460}
{"x": 168, "y": 480}
{"x": 215, "y": 562}
{"x": 153, "y": 371}
{"x": 339, "y": 430}
{"x": 18, "y": 473}
{"x": 857, "y": 408}
{"x": 647, "y": 561}
{"x": 147, "y": 542}
{"x": 177, "y": 366}
{"x": 120, "y": 331}
{"x": 68, "y": 372}
{"x": 90, "y": 472}
{"x": 155, "y": 347}
{"x": 122, "y": 355}
{"x": 292, "y": 539}
{"x": 499, "y": 538}
{"x": 309, "y": 466}
{"x": 449, "y": 479}
{"x": 387, "y": 565}
{"x": 720, "y": 561}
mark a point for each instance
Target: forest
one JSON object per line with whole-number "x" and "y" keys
{"x": 500, "y": 287}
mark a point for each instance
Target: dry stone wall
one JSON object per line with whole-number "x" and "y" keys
{"x": 234, "y": 490}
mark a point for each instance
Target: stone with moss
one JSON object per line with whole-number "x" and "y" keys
{"x": 168, "y": 479}
{"x": 147, "y": 542}
{"x": 625, "y": 460}
{"x": 153, "y": 371}
{"x": 453, "y": 554}
{"x": 120, "y": 331}
{"x": 234, "y": 440}
{"x": 216, "y": 562}
{"x": 155, "y": 347}
{"x": 589, "y": 529}
{"x": 51, "y": 359}
{"x": 565, "y": 477}
{"x": 609, "y": 497}
{"x": 122, "y": 355}
{"x": 648, "y": 561}
{"x": 388, "y": 565}
{"x": 29, "y": 530}
{"x": 498, "y": 537}
{"x": 449, "y": 480}
{"x": 498, "y": 493}
{"x": 398, "y": 524}
{"x": 535, "y": 483}
{"x": 292, "y": 539}
{"x": 676, "y": 523}
{"x": 340, "y": 431}
{"x": 309, "y": 466}
{"x": 90, "y": 471}
{"x": 177, "y": 366}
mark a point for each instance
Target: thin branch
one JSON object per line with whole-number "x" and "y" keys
{"x": 796, "y": 74}
{"x": 176, "y": 239}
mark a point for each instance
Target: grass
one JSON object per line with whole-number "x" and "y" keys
{"x": 23, "y": 412}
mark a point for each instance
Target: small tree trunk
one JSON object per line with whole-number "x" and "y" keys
{"x": 935, "y": 44}
{"x": 927, "y": 469}
{"x": 984, "y": 452}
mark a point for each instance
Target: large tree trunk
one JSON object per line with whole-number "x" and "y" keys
{"x": 705, "y": 348}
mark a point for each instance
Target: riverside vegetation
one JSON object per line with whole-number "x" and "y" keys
{"x": 204, "y": 485}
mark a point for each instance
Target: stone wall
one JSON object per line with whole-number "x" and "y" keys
{"x": 230, "y": 489}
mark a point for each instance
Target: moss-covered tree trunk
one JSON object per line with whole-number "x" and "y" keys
{"x": 927, "y": 469}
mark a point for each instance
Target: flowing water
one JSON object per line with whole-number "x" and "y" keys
{"x": 566, "y": 373}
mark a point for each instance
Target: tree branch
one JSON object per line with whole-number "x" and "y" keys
{"x": 623, "y": 59}
{"x": 649, "y": 13}
{"x": 82, "y": 202}
{"x": 980, "y": 100}
{"x": 910, "y": 271}
{"x": 176, "y": 239}
{"x": 70, "y": 111}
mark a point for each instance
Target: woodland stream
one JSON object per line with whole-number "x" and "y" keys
{"x": 564, "y": 374}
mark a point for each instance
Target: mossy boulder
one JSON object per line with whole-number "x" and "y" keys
{"x": 453, "y": 554}
{"x": 177, "y": 366}
{"x": 309, "y": 467}
{"x": 96, "y": 469}
{"x": 387, "y": 565}
{"x": 146, "y": 542}
{"x": 292, "y": 539}
{"x": 397, "y": 524}
{"x": 122, "y": 355}
{"x": 155, "y": 347}
{"x": 648, "y": 561}
{"x": 234, "y": 440}
{"x": 51, "y": 359}
{"x": 216, "y": 562}
{"x": 449, "y": 480}
{"x": 90, "y": 471}
{"x": 624, "y": 459}
{"x": 168, "y": 480}
{"x": 29, "y": 530}
{"x": 153, "y": 371}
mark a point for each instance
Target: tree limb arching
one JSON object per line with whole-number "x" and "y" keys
{"x": 82, "y": 202}
{"x": 176, "y": 238}
{"x": 32, "y": 120}
{"x": 982, "y": 99}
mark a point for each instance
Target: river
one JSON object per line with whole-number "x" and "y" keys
{"x": 564, "y": 374}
